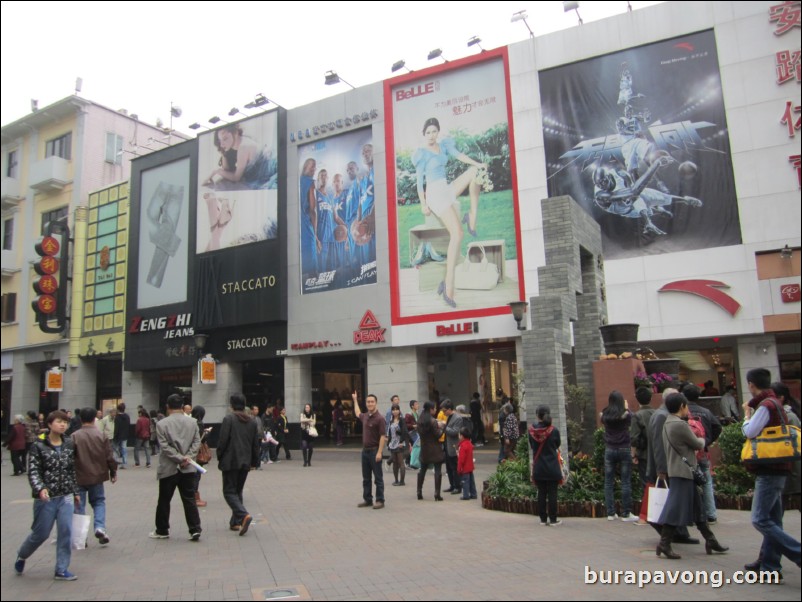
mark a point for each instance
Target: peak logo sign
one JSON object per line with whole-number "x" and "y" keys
{"x": 370, "y": 331}
{"x": 707, "y": 289}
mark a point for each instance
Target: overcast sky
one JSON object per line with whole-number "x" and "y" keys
{"x": 209, "y": 57}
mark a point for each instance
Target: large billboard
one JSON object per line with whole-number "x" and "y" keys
{"x": 337, "y": 218}
{"x": 639, "y": 139}
{"x": 452, "y": 209}
{"x": 163, "y": 235}
{"x": 238, "y": 184}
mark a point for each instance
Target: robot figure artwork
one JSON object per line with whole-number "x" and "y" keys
{"x": 634, "y": 190}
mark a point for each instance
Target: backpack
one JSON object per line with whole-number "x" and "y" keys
{"x": 698, "y": 430}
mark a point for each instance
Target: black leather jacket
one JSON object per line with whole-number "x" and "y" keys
{"x": 52, "y": 470}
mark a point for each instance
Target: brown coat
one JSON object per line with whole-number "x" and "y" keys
{"x": 431, "y": 450}
{"x": 94, "y": 461}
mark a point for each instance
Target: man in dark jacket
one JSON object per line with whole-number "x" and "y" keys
{"x": 122, "y": 422}
{"x": 94, "y": 465}
{"x": 237, "y": 453}
{"x": 51, "y": 472}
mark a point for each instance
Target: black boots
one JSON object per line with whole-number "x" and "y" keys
{"x": 438, "y": 482}
{"x": 711, "y": 543}
{"x": 664, "y": 547}
{"x": 309, "y": 458}
{"x": 421, "y": 476}
{"x": 305, "y": 453}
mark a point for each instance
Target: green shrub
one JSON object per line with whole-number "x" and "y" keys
{"x": 731, "y": 441}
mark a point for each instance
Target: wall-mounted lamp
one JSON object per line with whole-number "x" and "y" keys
{"x": 49, "y": 354}
{"x": 215, "y": 120}
{"x": 234, "y": 110}
{"x": 200, "y": 342}
{"x": 437, "y": 53}
{"x": 568, "y": 6}
{"x": 518, "y": 310}
{"x": 332, "y": 78}
{"x": 787, "y": 252}
{"x": 196, "y": 125}
{"x": 398, "y": 65}
{"x": 764, "y": 349}
{"x": 474, "y": 41}
{"x": 522, "y": 16}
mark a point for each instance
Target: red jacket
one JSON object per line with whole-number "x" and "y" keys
{"x": 465, "y": 457}
{"x": 16, "y": 437}
{"x": 142, "y": 428}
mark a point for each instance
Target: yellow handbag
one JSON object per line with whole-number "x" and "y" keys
{"x": 774, "y": 445}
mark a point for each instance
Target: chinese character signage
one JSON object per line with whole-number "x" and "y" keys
{"x": 207, "y": 371}
{"x": 54, "y": 380}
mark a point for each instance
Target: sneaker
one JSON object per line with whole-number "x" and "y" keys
{"x": 544, "y": 523}
{"x": 196, "y": 536}
{"x": 378, "y": 505}
{"x": 555, "y": 523}
{"x": 270, "y": 461}
{"x": 246, "y": 523}
{"x": 613, "y": 517}
{"x": 630, "y": 518}
{"x": 101, "y": 536}
{"x": 65, "y": 576}
{"x": 364, "y": 505}
{"x": 19, "y": 565}
{"x": 711, "y": 520}
{"x": 235, "y": 527}
{"x": 157, "y": 535}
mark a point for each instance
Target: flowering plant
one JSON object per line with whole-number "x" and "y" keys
{"x": 662, "y": 381}
{"x": 642, "y": 380}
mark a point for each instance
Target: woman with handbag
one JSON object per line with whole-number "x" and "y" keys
{"x": 204, "y": 453}
{"x": 398, "y": 440}
{"x": 510, "y": 432}
{"x": 546, "y": 470}
{"x": 308, "y": 433}
{"x": 431, "y": 451}
{"x": 684, "y": 503}
{"x": 617, "y": 419}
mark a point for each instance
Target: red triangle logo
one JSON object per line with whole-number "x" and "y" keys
{"x": 369, "y": 321}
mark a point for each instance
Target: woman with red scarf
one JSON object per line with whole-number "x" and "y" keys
{"x": 546, "y": 472}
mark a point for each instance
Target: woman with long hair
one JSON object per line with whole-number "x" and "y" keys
{"x": 546, "y": 470}
{"x": 616, "y": 419}
{"x": 243, "y": 164}
{"x": 308, "y": 419}
{"x": 684, "y": 503}
{"x": 431, "y": 451}
{"x": 441, "y": 198}
{"x": 398, "y": 440}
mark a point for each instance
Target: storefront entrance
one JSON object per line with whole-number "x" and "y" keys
{"x": 334, "y": 378}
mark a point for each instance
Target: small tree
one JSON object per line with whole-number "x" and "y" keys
{"x": 578, "y": 403}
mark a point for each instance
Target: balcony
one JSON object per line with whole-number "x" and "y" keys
{"x": 49, "y": 175}
{"x": 10, "y": 193}
{"x": 10, "y": 263}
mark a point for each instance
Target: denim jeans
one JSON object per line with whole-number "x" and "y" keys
{"x": 767, "y": 517}
{"x": 612, "y": 458}
{"x": 121, "y": 447}
{"x": 97, "y": 499}
{"x": 141, "y": 444}
{"x": 708, "y": 498}
{"x": 370, "y": 467}
{"x": 57, "y": 510}
{"x": 468, "y": 486}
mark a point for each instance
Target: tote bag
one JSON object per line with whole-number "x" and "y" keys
{"x": 80, "y": 531}
{"x": 657, "y": 500}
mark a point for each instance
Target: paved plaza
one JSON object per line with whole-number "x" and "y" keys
{"x": 310, "y": 538}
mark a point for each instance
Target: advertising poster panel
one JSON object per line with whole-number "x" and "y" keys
{"x": 639, "y": 139}
{"x": 163, "y": 235}
{"x": 238, "y": 184}
{"x": 453, "y": 217}
{"x": 337, "y": 219}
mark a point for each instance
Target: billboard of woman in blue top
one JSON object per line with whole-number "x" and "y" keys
{"x": 453, "y": 218}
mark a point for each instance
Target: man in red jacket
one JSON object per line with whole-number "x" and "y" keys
{"x": 94, "y": 465}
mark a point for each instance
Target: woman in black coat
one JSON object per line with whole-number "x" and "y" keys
{"x": 431, "y": 451}
{"x": 546, "y": 470}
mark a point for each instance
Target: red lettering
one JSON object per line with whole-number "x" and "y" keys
{"x": 171, "y": 321}
{"x": 135, "y": 325}
{"x": 414, "y": 91}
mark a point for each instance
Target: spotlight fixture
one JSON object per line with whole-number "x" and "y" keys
{"x": 398, "y": 65}
{"x": 787, "y": 252}
{"x": 569, "y": 6}
{"x": 474, "y": 41}
{"x": 215, "y": 120}
{"x": 437, "y": 53}
{"x": 522, "y": 16}
{"x": 260, "y": 100}
{"x": 234, "y": 111}
{"x": 332, "y": 78}
{"x": 196, "y": 125}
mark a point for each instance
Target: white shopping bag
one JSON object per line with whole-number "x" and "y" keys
{"x": 657, "y": 499}
{"x": 80, "y": 530}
